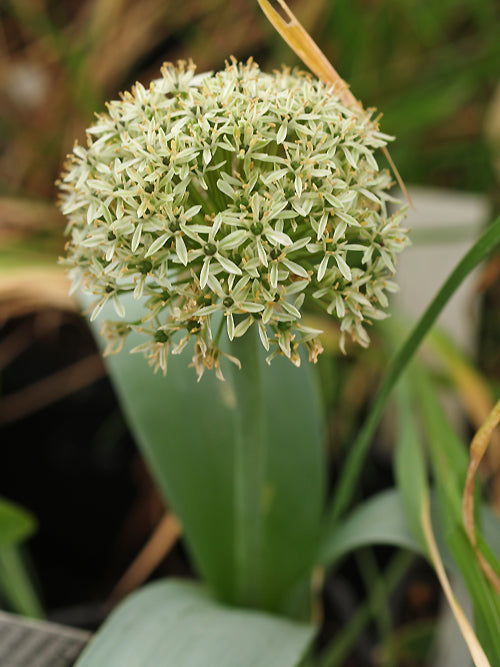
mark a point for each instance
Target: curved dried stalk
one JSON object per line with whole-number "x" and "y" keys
{"x": 477, "y": 399}
{"x": 27, "y": 290}
{"x": 299, "y": 40}
{"x": 53, "y": 388}
{"x": 477, "y": 653}
{"x": 159, "y": 545}
{"x": 478, "y": 447}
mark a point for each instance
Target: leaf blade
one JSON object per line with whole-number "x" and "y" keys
{"x": 187, "y": 431}
{"x": 16, "y": 523}
{"x": 172, "y": 623}
{"x": 343, "y": 494}
{"x": 379, "y": 520}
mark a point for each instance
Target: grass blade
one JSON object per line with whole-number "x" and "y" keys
{"x": 337, "y": 653}
{"x": 16, "y": 523}
{"x": 379, "y": 520}
{"x": 16, "y": 586}
{"x": 449, "y": 465}
{"x": 357, "y": 453}
{"x": 476, "y": 651}
{"x": 409, "y": 463}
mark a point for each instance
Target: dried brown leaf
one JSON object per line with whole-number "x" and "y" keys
{"x": 27, "y": 290}
{"x": 478, "y": 448}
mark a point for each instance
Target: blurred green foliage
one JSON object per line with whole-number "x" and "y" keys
{"x": 430, "y": 68}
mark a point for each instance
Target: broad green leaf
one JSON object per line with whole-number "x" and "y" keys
{"x": 279, "y": 471}
{"x": 379, "y": 520}
{"x": 357, "y": 452}
{"x": 16, "y": 523}
{"x": 177, "y": 624}
{"x": 201, "y": 448}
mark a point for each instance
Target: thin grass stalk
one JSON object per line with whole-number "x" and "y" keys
{"x": 299, "y": 40}
{"x": 357, "y": 453}
{"x": 477, "y": 653}
{"x": 478, "y": 448}
{"x": 336, "y": 654}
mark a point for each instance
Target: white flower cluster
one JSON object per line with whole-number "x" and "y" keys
{"x": 234, "y": 198}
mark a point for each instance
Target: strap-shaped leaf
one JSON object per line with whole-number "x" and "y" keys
{"x": 177, "y": 624}
{"x": 357, "y": 452}
{"x": 16, "y": 523}
{"x": 379, "y": 520}
{"x": 16, "y": 588}
{"x": 247, "y": 486}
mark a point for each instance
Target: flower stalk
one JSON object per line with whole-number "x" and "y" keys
{"x": 250, "y": 471}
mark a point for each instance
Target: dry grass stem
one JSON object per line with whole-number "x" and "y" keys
{"x": 299, "y": 40}
{"x": 25, "y": 290}
{"x": 53, "y": 388}
{"x": 478, "y": 447}
{"x": 477, "y": 399}
{"x": 22, "y": 216}
{"x": 160, "y": 543}
{"x": 477, "y": 653}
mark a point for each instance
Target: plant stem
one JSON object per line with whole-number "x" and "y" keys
{"x": 336, "y": 654}
{"x": 381, "y": 612}
{"x": 249, "y": 469}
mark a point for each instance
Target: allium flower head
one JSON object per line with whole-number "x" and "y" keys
{"x": 234, "y": 198}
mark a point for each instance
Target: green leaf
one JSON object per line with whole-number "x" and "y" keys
{"x": 357, "y": 452}
{"x": 277, "y": 438}
{"x": 192, "y": 434}
{"x": 16, "y": 586}
{"x": 410, "y": 469}
{"x": 16, "y": 523}
{"x": 250, "y": 461}
{"x": 449, "y": 464}
{"x": 490, "y": 524}
{"x": 485, "y": 601}
{"x": 379, "y": 520}
{"x": 337, "y": 653}
{"x": 177, "y": 624}
{"x": 447, "y": 451}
